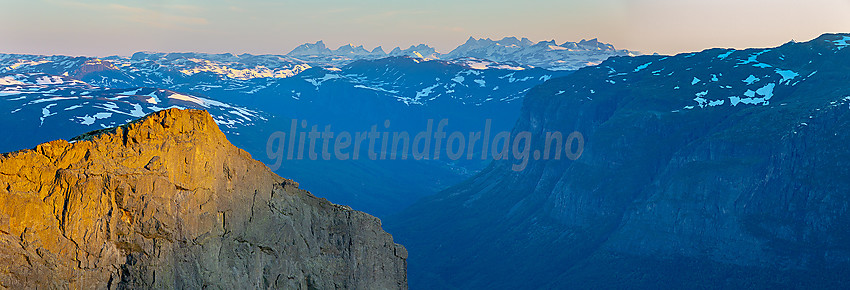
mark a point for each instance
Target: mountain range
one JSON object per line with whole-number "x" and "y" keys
{"x": 722, "y": 168}
{"x": 543, "y": 54}
{"x": 717, "y": 169}
{"x": 251, "y": 97}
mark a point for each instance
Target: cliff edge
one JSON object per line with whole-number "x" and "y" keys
{"x": 168, "y": 202}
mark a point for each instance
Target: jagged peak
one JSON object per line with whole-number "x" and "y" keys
{"x": 378, "y": 50}
{"x": 420, "y": 46}
{"x": 350, "y": 46}
{"x": 310, "y": 48}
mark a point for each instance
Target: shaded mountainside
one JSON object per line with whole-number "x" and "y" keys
{"x": 168, "y": 202}
{"x": 723, "y": 168}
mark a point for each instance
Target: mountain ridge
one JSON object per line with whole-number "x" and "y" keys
{"x": 722, "y": 168}
{"x": 168, "y": 202}
{"x": 543, "y": 54}
{"x": 249, "y": 105}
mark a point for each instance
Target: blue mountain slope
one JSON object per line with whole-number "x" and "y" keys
{"x": 718, "y": 169}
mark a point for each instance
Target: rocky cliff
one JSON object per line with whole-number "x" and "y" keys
{"x": 718, "y": 169}
{"x": 168, "y": 202}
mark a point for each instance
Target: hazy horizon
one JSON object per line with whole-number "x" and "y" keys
{"x": 104, "y": 28}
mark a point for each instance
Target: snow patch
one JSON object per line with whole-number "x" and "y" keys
{"x": 842, "y": 43}
{"x": 734, "y": 100}
{"x": 359, "y": 87}
{"x": 103, "y": 115}
{"x": 327, "y": 77}
{"x": 695, "y": 81}
{"x": 751, "y": 79}
{"x": 725, "y": 55}
{"x": 45, "y": 112}
{"x": 766, "y": 91}
{"x": 643, "y": 66}
{"x": 787, "y": 75}
{"x": 10, "y": 81}
{"x": 425, "y": 92}
{"x": 753, "y": 58}
{"x": 716, "y": 103}
{"x": 458, "y": 79}
{"x": 186, "y": 98}
{"x": 137, "y": 111}
{"x": 49, "y": 80}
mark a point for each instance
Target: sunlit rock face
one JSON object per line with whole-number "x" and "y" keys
{"x": 168, "y": 202}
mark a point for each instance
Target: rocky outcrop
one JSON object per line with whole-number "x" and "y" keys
{"x": 93, "y": 66}
{"x": 168, "y": 202}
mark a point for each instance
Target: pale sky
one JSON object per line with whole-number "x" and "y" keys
{"x": 100, "y": 27}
